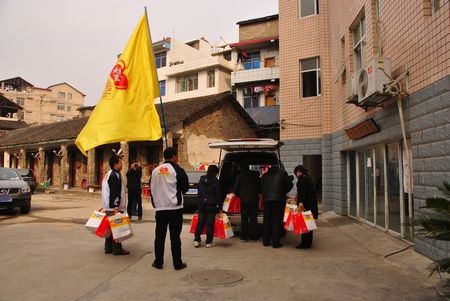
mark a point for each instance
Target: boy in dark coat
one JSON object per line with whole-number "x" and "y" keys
{"x": 209, "y": 203}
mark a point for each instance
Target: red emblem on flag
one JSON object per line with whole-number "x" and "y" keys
{"x": 117, "y": 75}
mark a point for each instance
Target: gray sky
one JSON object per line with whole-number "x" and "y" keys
{"x": 52, "y": 41}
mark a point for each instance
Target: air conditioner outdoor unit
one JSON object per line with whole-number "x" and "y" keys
{"x": 372, "y": 78}
{"x": 352, "y": 90}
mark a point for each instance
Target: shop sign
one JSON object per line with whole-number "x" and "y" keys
{"x": 363, "y": 129}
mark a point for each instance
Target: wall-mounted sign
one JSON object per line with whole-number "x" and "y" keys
{"x": 363, "y": 129}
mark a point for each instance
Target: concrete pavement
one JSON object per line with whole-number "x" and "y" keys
{"x": 48, "y": 255}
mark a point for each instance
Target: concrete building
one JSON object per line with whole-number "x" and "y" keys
{"x": 42, "y": 105}
{"x": 365, "y": 105}
{"x": 256, "y": 73}
{"x": 191, "y": 69}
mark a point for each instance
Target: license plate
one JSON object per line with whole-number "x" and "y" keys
{"x": 5, "y": 199}
{"x": 192, "y": 191}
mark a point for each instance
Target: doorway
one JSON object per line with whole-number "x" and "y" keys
{"x": 313, "y": 163}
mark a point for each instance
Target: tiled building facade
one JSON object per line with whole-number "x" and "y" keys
{"x": 356, "y": 146}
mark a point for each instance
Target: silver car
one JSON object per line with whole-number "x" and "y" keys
{"x": 14, "y": 192}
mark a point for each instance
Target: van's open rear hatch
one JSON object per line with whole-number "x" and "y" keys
{"x": 260, "y": 144}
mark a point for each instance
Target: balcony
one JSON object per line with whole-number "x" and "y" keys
{"x": 253, "y": 75}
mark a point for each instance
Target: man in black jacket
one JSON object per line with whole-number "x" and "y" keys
{"x": 275, "y": 184}
{"x": 247, "y": 188}
{"x": 134, "y": 175}
{"x": 306, "y": 200}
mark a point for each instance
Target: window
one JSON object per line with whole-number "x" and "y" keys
{"x": 162, "y": 87}
{"x": 60, "y": 107}
{"x": 252, "y": 61}
{"x": 69, "y": 96}
{"x": 59, "y": 118}
{"x": 251, "y": 99}
{"x": 310, "y": 76}
{"x": 20, "y": 101}
{"x": 61, "y": 95}
{"x": 187, "y": 83}
{"x": 309, "y": 7}
{"x": 211, "y": 78}
{"x": 69, "y": 108}
{"x": 437, "y": 4}
{"x": 160, "y": 59}
{"x": 359, "y": 36}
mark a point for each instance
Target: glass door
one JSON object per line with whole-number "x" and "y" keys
{"x": 393, "y": 191}
{"x": 369, "y": 195}
{"x": 351, "y": 186}
{"x": 380, "y": 187}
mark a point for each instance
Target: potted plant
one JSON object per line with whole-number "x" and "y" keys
{"x": 434, "y": 219}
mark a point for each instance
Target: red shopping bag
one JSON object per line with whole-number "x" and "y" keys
{"x": 236, "y": 205}
{"x": 194, "y": 224}
{"x": 261, "y": 204}
{"x": 299, "y": 223}
{"x": 289, "y": 223}
{"x": 104, "y": 229}
{"x": 225, "y": 229}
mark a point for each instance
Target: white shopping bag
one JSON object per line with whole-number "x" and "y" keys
{"x": 228, "y": 202}
{"x": 287, "y": 209}
{"x": 309, "y": 220}
{"x": 94, "y": 220}
{"x": 225, "y": 230}
{"x": 120, "y": 226}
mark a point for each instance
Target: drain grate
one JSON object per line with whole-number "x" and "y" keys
{"x": 217, "y": 277}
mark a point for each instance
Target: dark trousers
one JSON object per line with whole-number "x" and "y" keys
{"x": 110, "y": 244}
{"x": 134, "y": 198}
{"x": 307, "y": 239}
{"x": 206, "y": 215}
{"x": 249, "y": 222}
{"x": 173, "y": 219}
{"x": 273, "y": 218}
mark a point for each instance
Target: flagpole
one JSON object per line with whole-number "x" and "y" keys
{"x": 160, "y": 99}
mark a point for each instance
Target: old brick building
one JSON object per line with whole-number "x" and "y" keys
{"x": 191, "y": 123}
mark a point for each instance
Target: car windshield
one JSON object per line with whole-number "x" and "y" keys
{"x": 8, "y": 174}
{"x": 24, "y": 172}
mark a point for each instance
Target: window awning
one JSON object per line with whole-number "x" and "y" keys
{"x": 254, "y": 43}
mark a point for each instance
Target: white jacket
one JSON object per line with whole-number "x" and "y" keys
{"x": 163, "y": 187}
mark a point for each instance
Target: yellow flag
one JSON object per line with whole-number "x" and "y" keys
{"x": 126, "y": 111}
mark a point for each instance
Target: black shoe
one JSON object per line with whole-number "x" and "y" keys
{"x": 300, "y": 246}
{"x": 182, "y": 266}
{"x": 277, "y": 246}
{"x": 108, "y": 252}
{"x": 159, "y": 267}
{"x": 122, "y": 252}
{"x": 266, "y": 244}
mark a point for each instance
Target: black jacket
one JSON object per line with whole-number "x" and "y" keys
{"x": 134, "y": 179}
{"x": 275, "y": 184}
{"x": 306, "y": 194}
{"x": 247, "y": 186}
{"x": 209, "y": 193}
{"x": 115, "y": 189}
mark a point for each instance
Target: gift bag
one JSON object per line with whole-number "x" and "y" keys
{"x": 225, "y": 230}
{"x": 299, "y": 223}
{"x": 309, "y": 220}
{"x": 228, "y": 203}
{"x": 94, "y": 220}
{"x": 261, "y": 204}
{"x": 104, "y": 229}
{"x": 236, "y": 205}
{"x": 287, "y": 209}
{"x": 289, "y": 223}
{"x": 120, "y": 226}
{"x": 194, "y": 223}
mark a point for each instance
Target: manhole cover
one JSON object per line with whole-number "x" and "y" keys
{"x": 217, "y": 277}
